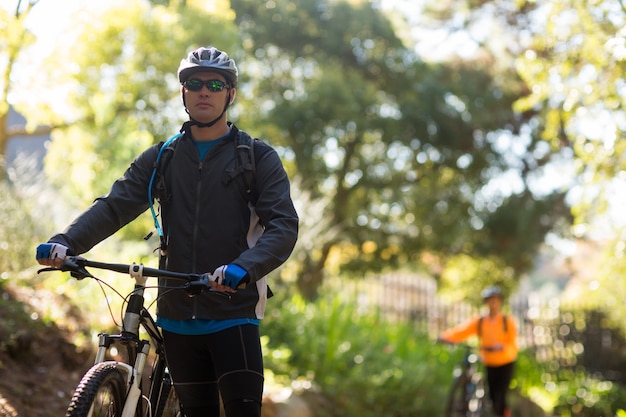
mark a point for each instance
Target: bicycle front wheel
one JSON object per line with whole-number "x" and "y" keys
{"x": 476, "y": 401}
{"x": 101, "y": 393}
{"x": 456, "y": 406}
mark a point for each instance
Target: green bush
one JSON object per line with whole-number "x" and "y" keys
{"x": 17, "y": 231}
{"x": 363, "y": 365}
{"x": 567, "y": 392}
{"x": 582, "y": 395}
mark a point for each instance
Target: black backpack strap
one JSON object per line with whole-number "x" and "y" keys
{"x": 159, "y": 188}
{"x": 245, "y": 156}
{"x": 505, "y": 324}
{"x": 245, "y": 166}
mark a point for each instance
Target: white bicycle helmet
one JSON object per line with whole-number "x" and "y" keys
{"x": 208, "y": 59}
{"x": 492, "y": 291}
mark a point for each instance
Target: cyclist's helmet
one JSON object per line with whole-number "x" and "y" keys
{"x": 492, "y": 291}
{"x": 208, "y": 59}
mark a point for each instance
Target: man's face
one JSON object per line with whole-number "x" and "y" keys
{"x": 203, "y": 104}
{"x": 494, "y": 302}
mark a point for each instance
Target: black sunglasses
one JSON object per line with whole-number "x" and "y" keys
{"x": 214, "y": 86}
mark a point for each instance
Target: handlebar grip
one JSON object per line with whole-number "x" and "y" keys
{"x": 492, "y": 348}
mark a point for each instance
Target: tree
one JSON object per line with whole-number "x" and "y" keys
{"x": 393, "y": 156}
{"x": 576, "y": 63}
{"x": 14, "y": 37}
{"x": 403, "y": 148}
{"x": 125, "y": 93}
{"x": 572, "y": 56}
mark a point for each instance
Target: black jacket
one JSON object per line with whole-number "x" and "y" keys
{"x": 209, "y": 223}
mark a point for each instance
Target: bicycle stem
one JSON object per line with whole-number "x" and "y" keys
{"x": 132, "y": 314}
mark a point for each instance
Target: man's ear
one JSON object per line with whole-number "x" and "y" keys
{"x": 182, "y": 96}
{"x": 232, "y": 93}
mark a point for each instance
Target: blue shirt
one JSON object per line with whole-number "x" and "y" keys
{"x": 197, "y": 327}
{"x": 204, "y": 146}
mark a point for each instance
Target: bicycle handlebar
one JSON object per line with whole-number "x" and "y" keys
{"x": 469, "y": 347}
{"x": 77, "y": 267}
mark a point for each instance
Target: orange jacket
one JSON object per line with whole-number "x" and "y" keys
{"x": 493, "y": 335}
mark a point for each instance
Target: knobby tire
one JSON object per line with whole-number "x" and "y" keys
{"x": 456, "y": 405}
{"x": 104, "y": 388}
{"x": 462, "y": 403}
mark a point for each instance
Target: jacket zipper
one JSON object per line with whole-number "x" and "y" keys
{"x": 195, "y": 234}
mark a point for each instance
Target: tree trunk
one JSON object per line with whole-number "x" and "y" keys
{"x": 311, "y": 276}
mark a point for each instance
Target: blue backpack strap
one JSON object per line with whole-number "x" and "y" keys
{"x": 155, "y": 179}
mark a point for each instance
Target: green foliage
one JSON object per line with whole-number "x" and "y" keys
{"x": 15, "y": 319}
{"x": 464, "y": 277}
{"x": 366, "y": 366}
{"x": 401, "y": 151}
{"x": 574, "y": 65}
{"x": 125, "y": 93}
{"x": 20, "y": 230}
{"x": 361, "y": 364}
{"x": 531, "y": 380}
{"x": 13, "y": 37}
{"x": 583, "y": 395}
{"x": 404, "y": 149}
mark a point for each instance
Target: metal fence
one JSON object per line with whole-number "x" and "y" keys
{"x": 560, "y": 337}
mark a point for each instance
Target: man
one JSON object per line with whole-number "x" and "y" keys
{"x": 497, "y": 335}
{"x": 211, "y": 224}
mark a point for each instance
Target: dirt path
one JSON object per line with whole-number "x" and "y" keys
{"x": 41, "y": 388}
{"x": 39, "y": 365}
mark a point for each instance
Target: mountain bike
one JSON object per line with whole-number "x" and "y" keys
{"x": 466, "y": 397}
{"x": 119, "y": 388}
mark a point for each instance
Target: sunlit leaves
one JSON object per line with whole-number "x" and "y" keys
{"x": 400, "y": 145}
{"x": 464, "y": 277}
{"x": 400, "y": 152}
{"x": 575, "y": 66}
{"x": 125, "y": 93}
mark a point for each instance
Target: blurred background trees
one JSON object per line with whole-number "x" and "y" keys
{"x": 467, "y": 141}
{"x": 419, "y": 136}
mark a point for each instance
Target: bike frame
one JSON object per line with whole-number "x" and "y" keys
{"x": 136, "y": 316}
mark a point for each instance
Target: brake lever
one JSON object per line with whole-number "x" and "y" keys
{"x": 70, "y": 264}
{"x": 195, "y": 287}
{"x": 222, "y": 293}
{"x": 48, "y": 269}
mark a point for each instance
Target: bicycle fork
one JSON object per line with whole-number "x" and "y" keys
{"x": 130, "y": 333}
{"x": 133, "y": 373}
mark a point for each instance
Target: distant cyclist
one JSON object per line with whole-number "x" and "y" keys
{"x": 497, "y": 335}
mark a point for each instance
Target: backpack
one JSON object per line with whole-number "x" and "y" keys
{"x": 505, "y": 324}
{"x": 244, "y": 172}
{"x": 245, "y": 160}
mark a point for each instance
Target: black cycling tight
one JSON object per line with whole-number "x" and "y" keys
{"x": 228, "y": 363}
{"x": 499, "y": 379}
